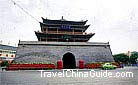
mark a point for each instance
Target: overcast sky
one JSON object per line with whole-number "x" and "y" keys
{"x": 113, "y": 21}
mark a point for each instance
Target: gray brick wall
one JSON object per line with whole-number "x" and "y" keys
{"x": 46, "y": 52}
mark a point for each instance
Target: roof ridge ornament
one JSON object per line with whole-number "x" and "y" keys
{"x": 62, "y": 19}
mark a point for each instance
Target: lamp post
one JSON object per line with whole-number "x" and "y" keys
{"x": 128, "y": 54}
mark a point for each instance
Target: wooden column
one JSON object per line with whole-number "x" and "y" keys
{"x": 73, "y": 31}
{"x": 57, "y": 30}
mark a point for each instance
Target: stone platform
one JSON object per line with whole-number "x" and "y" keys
{"x": 36, "y": 51}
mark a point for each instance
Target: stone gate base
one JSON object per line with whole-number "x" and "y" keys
{"x": 51, "y": 52}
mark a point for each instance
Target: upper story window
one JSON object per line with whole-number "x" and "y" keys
{"x": 6, "y": 55}
{"x": 11, "y": 55}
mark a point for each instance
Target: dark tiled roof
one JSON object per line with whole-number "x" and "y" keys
{"x": 63, "y": 37}
{"x": 6, "y": 47}
{"x": 48, "y": 21}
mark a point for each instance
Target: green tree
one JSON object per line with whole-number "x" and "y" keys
{"x": 133, "y": 58}
{"x": 121, "y": 58}
{"x": 4, "y": 63}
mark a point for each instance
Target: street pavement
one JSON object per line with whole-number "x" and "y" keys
{"x": 36, "y": 77}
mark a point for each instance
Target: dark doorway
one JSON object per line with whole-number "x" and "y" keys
{"x": 69, "y": 61}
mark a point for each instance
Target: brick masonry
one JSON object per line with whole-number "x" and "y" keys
{"x": 35, "y": 51}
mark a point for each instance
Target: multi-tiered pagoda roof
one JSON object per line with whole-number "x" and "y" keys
{"x": 63, "y": 31}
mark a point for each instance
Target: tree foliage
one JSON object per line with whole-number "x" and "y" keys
{"x": 4, "y": 63}
{"x": 133, "y": 58}
{"x": 121, "y": 58}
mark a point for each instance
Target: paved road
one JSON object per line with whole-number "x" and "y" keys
{"x": 36, "y": 78}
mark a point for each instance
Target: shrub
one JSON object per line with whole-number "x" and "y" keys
{"x": 4, "y": 63}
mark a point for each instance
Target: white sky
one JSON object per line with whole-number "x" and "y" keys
{"x": 113, "y": 21}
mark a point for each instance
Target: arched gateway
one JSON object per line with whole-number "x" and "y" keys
{"x": 69, "y": 61}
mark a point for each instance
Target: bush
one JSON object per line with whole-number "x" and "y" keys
{"x": 4, "y": 63}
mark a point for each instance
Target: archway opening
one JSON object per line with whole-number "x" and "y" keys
{"x": 69, "y": 61}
